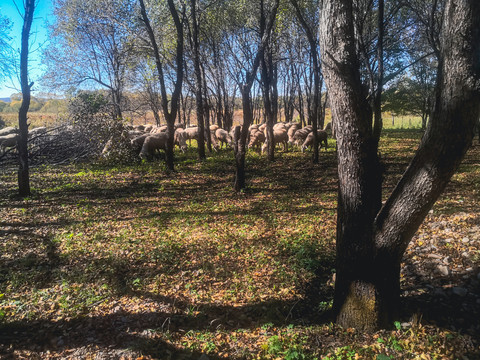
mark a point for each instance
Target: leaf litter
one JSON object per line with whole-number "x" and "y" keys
{"x": 134, "y": 263}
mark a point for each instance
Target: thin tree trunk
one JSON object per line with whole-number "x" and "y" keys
{"x": 198, "y": 83}
{"x": 169, "y": 113}
{"x": 23, "y": 170}
{"x": 245, "y": 88}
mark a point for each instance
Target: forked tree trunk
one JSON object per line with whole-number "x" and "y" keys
{"x": 371, "y": 243}
{"x": 171, "y": 112}
{"x": 240, "y": 145}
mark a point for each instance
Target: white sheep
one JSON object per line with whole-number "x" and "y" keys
{"x": 152, "y": 143}
{"x": 8, "y": 131}
{"x": 7, "y": 141}
{"x": 180, "y": 139}
{"x": 279, "y": 136}
{"x": 322, "y": 139}
{"x": 301, "y": 134}
{"x": 224, "y": 137}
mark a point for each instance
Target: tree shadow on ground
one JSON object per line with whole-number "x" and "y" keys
{"x": 144, "y": 333}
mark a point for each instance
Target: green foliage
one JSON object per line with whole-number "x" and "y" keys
{"x": 6, "y": 67}
{"x": 288, "y": 345}
{"x": 54, "y": 106}
{"x": 12, "y": 107}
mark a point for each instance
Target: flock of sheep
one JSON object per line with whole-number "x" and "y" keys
{"x": 148, "y": 139}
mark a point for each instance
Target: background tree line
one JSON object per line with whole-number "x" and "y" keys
{"x": 105, "y": 45}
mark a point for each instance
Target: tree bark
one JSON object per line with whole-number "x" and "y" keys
{"x": 371, "y": 243}
{"x": 315, "y": 112}
{"x": 245, "y": 88}
{"x": 198, "y": 82}
{"x": 171, "y": 112}
{"x": 23, "y": 170}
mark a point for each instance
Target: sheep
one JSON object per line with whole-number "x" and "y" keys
{"x": 214, "y": 128}
{"x": 291, "y": 132}
{"x": 148, "y": 128}
{"x": 300, "y": 135}
{"x": 322, "y": 138}
{"x": 192, "y": 133}
{"x": 224, "y": 137}
{"x": 134, "y": 133}
{"x": 8, "y": 130}
{"x": 153, "y": 143}
{"x": 180, "y": 139}
{"x": 37, "y": 131}
{"x": 256, "y": 139}
{"x": 159, "y": 129}
{"x": 137, "y": 142}
{"x": 279, "y": 136}
{"x": 7, "y": 141}
{"x": 280, "y": 126}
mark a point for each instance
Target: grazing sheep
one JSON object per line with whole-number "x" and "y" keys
{"x": 280, "y": 126}
{"x": 8, "y": 131}
{"x": 37, "y": 131}
{"x": 224, "y": 137}
{"x": 322, "y": 138}
{"x": 133, "y": 133}
{"x": 214, "y": 128}
{"x": 253, "y": 127}
{"x": 153, "y": 143}
{"x": 148, "y": 128}
{"x": 301, "y": 134}
{"x": 192, "y": 133}
{"x": 279, "y": 136}
{"x": 180, "y": 139}
{"x": 257, "y": 138}
{"x": 291, "y": 132}
{"x": 137, "y": 142}
{"x": 159, "y": 129}
{"x": 7, "y": 141}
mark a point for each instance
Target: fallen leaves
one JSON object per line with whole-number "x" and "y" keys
{"x": 133, "y": 263}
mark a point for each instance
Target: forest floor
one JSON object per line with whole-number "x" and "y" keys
{"x": 133, "y": 262}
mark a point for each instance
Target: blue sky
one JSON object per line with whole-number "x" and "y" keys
{"x": 42, "y": 15}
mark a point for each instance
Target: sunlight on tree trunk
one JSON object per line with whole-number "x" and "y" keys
{"x": 371, "y": 243}
{"x": 23, "y": 171}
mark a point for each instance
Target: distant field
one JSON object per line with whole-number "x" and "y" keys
{"x": 34, "y": 119}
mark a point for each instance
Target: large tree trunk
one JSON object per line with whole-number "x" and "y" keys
{"x": 371, "y": 243}
{"x": 23, "y": 170}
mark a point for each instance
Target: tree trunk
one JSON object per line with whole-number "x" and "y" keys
{"x": 239, "y": 152}
{"x": 169, "y": 152}
{"x": 198, "y": 83}
{"x": 371, "y": 243}
{"x": 169, "y": 113}
{"x": 267, "y": 103}
{"x": 23, "y": 170}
